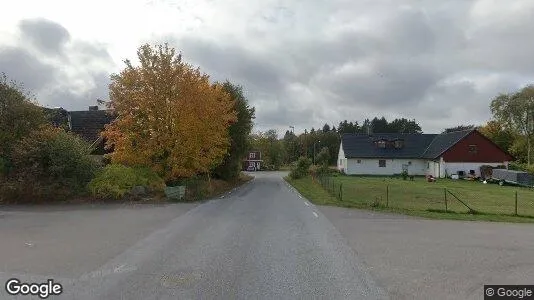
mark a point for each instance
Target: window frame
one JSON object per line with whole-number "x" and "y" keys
{"x": 380, "y": 165}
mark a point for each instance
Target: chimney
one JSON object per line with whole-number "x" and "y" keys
{"x": 93, "y": 108}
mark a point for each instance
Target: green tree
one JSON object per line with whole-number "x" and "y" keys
{"x": 499, "y": 134}
{"x": 238, "y": 132}
{"x": 272, "y": 149}
{"x": 380, "y": 125}
{"x": 323, "y": 160}
{"x": 516, "y": 112}
{"x": 290, "y": 142}
{"x": 19, "y": 115}
{"x": 404, "y": 126}
{"x": 458, "y": 128}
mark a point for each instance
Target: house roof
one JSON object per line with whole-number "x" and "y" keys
{"x": 88, "y": 124}
{"x": 443, "y": 142}
{"x": 362, "y": 145}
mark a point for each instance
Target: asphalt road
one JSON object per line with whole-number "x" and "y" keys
{"x": 437, "y": 259}
{"x": 262, "y": 241}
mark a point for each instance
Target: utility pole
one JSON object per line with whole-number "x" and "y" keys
{"x": 314, "y": 150}
{"x": 529, "y": 127}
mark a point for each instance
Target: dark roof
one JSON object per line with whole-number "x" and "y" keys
{"x": 443, "y": 142}
{"x": 429, "y": 146}
{"x": 88, "y": 124}
{"x": 362, "y": 145}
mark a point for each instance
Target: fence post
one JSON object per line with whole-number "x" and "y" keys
{"x": 445, "y": 190}
{"x": 516, "y": 203}
{"x": 387, "y": 195}
{"x": 333, "y": 186}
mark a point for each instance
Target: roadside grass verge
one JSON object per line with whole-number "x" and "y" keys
{"x": 422, "y": 199}
{"x": 200, "y": 189}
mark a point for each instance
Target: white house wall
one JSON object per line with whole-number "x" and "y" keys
{"x": 433, "y": 168}
{"x": 341, "y": 160}
{"x": 393, "y": 166}
{"x": 453, "y": 168}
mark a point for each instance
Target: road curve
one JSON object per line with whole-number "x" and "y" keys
{"x": 262, "y": 241}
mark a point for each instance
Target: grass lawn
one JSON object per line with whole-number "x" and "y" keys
{"x": 421, "y": 198}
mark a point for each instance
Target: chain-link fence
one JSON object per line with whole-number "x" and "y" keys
{"x": 459, "y": 196}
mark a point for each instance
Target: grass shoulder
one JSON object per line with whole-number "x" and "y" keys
{"x": 414, "y": 199}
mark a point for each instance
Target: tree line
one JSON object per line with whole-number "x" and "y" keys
{"x": 172, "y": 123}
{"x": 278, "y": 152}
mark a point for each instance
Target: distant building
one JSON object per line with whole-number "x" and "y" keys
{"x": 87, "y": 124}
{"x": 439, "y": 155}
{"x": 253, "y": 161}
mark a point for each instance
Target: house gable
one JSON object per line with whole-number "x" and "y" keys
{"x": 475, "y": 147}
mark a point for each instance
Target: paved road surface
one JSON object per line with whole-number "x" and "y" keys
{"x": 437, "y": 259}
{"x": 261, "y": 242}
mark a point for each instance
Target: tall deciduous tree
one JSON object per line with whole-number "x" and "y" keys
{"x": 19, "y": 115}
{"x": 516, "y": 112}
{"x": 238, "y": 132}
{"x": 170, "y": 117}
{"x": 499, "y": 134}
{"x": 458, "y": 128}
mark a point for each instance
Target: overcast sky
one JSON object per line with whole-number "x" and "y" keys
{"x": 301, "y": 62}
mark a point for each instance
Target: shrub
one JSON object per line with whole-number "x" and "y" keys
{"x": 51, "y": 155}
{"x": 301, "y": 169}
{"x": 3, "y": 167}
{"x": 115, "y": 181}
{"x": 521, "y": 167}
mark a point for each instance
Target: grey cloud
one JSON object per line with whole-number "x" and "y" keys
{"x": 47, "y": 36}
{"x": 23, "y": 67}
{"x": 351, "y": 60}
{"x": 49, "y": 81}
{"x": 228, "y": 61}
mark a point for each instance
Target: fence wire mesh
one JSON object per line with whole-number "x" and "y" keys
{"x": 459, "y": 196}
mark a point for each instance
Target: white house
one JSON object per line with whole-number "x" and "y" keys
{"x": 440, "y": 155}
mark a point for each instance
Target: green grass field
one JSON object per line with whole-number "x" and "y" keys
{"x": 419, "y": 197}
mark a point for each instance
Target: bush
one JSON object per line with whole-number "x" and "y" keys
{"x": 301, "y": 169}
{"x": 3, "y": 167}
{"x": 52, "y": 156}
{"x": 521, "y": 167}
{"x": 115, "y": 181}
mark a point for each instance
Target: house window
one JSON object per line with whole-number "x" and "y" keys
{"x": 359, "y": 161}
{"x": 382, "y": 163}
{"x": 381, "y": 144}
{"x": 428, "y": 165}
{"x": 399, "y": 144}
{"x": 473, "y": 149}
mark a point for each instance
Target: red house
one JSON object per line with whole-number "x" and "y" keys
{"x": 253, "y": 161}
{"x": 459, "y": 153}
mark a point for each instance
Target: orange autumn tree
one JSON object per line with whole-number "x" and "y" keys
{"x": 169, "y": 116}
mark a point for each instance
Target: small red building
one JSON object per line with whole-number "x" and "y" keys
{"x": 253, "y": 161}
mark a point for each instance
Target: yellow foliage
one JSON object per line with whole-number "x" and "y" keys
{"x": 170, "y": 117}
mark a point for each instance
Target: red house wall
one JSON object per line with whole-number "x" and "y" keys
{"x": 487, "y": 151}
